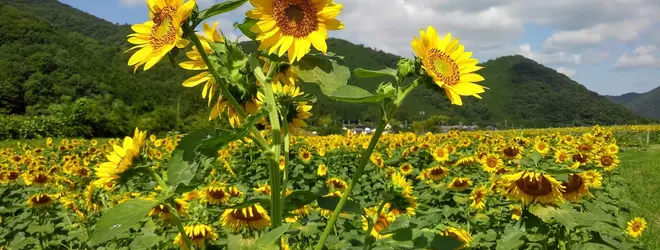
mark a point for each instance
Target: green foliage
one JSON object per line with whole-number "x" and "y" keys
{"x": 645, "y": 104}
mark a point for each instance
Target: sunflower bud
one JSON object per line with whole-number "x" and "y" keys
{"x": 405, "y": 67}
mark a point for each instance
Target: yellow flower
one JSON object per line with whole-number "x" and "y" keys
{"x": 294, "y": 25}
{"x": 383, "y": 220}
{"x": 41, "y": 200}
{"x": 305, "y": 156}
{"x": 198, "y": 234}
{"x": 322, "y": 170}
{"x": 575, "y": 188}
{"x": 377, "y": 159}
{"x": 406, "y": 169}
{"x": 36, "y": 178}
{"x": 250, "y": 104}
{"x": 433, "y": 173}
{"x": 215, "y": 194}
{"x": 636, "y": 227}
{"x": 491, "y": 163}
{"x": 532, "y": 187}
{"x": 541, "y": 147}
{"x": 516, "y": 211}
{"x": 156, "y": 37}
{"x": 297, "y": 115}
{"x": 593, "y": 178}
{"x": 512, "y": 152}
{"x": 336, "y": 183}
{"x": 460, "y": 184}
{"x": 253, "y": 217}
{"x": 608, "y": 162}
{"x": 233, "y": 191}
{"x": 197, "y": 63}
{"x": 450, "y": 66}
{"x": 440, "y": 154}
{"x": 478, "y": 197}
{"x": 561, "y": 156}
{"x": 459, "y": 235}
{"x": 120, "y": 160}
{"x": 400, "y": 184}
{"x": 164, "y": 212}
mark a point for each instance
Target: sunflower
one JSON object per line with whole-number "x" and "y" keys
{"x": 459, "y": 235}
{"x": 440, "y": 154}
{"x": 233, "y": 191}
{"x": 612, "y": 148}
{"x": 541, "y": 147}
{"x": 460, "y": 184}
{"x": 91, "y": 203}
{"x": 191, "y": 195}
{"x": 41, "y": 200}
{"x": 336, "y": 183}
{"x": 491, "y": 163}
{"x": 575, "y": 187}
{"x": 593, "y": 178}
{"x": 466, "y": 161}
{"x": 402, "y": 204}
{"x": 253, "y": 217}
{"x": 304, "y": 211}
{"x": 383, "y": 220}
{"x": 197, "y": 63}
{"x": 163, "y": 211}
{"x": 636, "y": 227}
{"x": 512, "y": 152}
{"x": 406, "y": 169}
{"x": 198, "y": 234}
{"x": 262, "y": 188}
{"x": 561, "y": 156}
{"x": 450, "y": 66}
{"x": 36, "y": 178}
{"x": 532, "y": 187}
{"x": 120, "y": 160}
{"x": 156, "y": 37}
{"x": 434, "y": 173}
{"x": 297, "y": 114}
{"x": 294, "y": 25}
{"x": 516, "y": 211}
{"x": 249, "y": 103}
{"x": 322, "y": 170}
{"x": 608, "y": 162}
{"x": 478, "y": 197}
{"x": 215, "y": 194}
{"x": 305, "y": 156}
{"x": 377, "y": 159}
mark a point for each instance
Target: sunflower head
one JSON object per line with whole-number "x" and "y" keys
{"x": 460, "y": 184}
{"x": 459, "y": 235}
{"x": 322, "y": 170}
{"x": 253, "y": 217}
{"x": 406, "y": 169}
{"x": 575, "y": 187}
{"x": 382, "y": 221}
{"x": 636, "y": 227}
{"x": 337, "y": 184}
{"x": 41, "y": 200}
{"x": 198, "y": 234}
{"x": 532, "y": 187}
{"x": 478, "y": 197}
{"x": 516, "y": 211}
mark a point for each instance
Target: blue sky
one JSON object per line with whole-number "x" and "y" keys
{"x": 610, "y": 46}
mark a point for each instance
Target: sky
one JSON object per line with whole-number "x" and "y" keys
{"x": 610, "y": 46}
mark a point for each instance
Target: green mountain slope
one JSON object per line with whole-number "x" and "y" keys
{"x": 623, "y": 99}
{"x": 647, "y": 104}
{"x": 53, "y": 56}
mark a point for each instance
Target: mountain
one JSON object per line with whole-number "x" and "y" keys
{"x": 623, "y": 99}
{"x": 57, "y": 61}
{"x": 646, "y": 104}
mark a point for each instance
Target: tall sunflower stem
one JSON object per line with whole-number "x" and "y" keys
{"x": 372, "y": 224}
{"x": 285, "y": 139}
{"x": 261, "y": 142}
{"x": 387, "y": 112}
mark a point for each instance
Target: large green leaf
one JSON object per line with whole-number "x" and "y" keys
{"x": 121, "y": 218}
{"x": 246, "y": 26}
{"x": 440, "y": 242}
{"x": 330, "y": 203}
{"x": 220, "y": 8}
{"x": 325, "y": 72}
{"x": 350, "y": 93}
{"x": 299, "y": 199}
{"x": 190, "y": 142}
{"x": 180, "y": 171}
{"x": 271, "y": 237}
{"x": 511, "y": 239}
{"x": 365, "y": 73}
{"x": 209, "y": 147}
{"x": 551, "y": 213}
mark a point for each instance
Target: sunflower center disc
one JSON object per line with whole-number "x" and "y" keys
{"x": 574, "y": 183}
{"x": 533, "y": 187}
{"x": 443, "y": 67}
{"x": 295, "y": 18}
{"x": 164, "y": 30}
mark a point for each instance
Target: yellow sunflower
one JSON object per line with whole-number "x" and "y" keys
{"x": 491, "y": 163}
{"x": 516, "y": 211}
{"x": 156, "y": 37}
{"x": 561, "y": 156}
{"x": 541, "y": 147}
{"x": 198, "y": 234}
{"x": 459, "y": 235}
{"x": 593, "y": 178}
{"x": 636, "y": 227}
{"x": 262, "y": 188}
{"x": 120, "y": 160}
{"x": 294, "y": 25}
{"x": 36, "y": 178}
{"x": 164, "y": 213}
{"x": 196, "y": 62}
{"x": 215, "y": 194}
{"x": 305, "y": 156}
{"x": 253, "y": 217}
{"x": 607, "y": 161}
{"x": 434, "y": 173}
{"x": 41, "y": 200}
{"x": 440, "y": 154}
{"x": 512, "y": 152}
{"x": 575, "y": 188}
{"x": 450, "y": 66}
{"x": 377, "y": 159}
{"x": 383, "y": 220}
{"x": 250, "y": 104}
{"x": 336, "y": 183}
{"x": 322, "y": 170}
{"x": 460, "y": 184}
{"x": 233, "y": 191}
{"x": 478, "y": 197}
{"x": 402, "y": 204}
{"x": 406, "y": 169}
{"x": 297, "y": 115}
{"x": 532, "y": 187}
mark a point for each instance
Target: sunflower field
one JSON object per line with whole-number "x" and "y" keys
{"x": 484, "y": 190}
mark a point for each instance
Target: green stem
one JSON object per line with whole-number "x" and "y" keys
{"x": 385, "y": 116}
{"x": 285, "y": 139}
{"x": 372, "y": 223}
{"x": 167, "y": 190}
{"x": 276, "y": 145}
{"x": 223, "y": 87}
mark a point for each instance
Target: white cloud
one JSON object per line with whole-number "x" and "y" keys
{"x": 643, "y": 56}
{"x": 561, "y": 58}
{"x": 132, "y": 3}
{"x": 628, "y": 30}
{"x": 566, "y": 71}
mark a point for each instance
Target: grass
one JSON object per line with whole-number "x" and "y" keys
{"x": 641, "y": 170}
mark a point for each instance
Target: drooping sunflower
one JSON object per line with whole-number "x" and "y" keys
{"x": 41, "y": 200}
{"x": 478, "y": 197}
{"x": 406, "y": 169}
{"x": 198, "y": 234}
{"x": 164, "y": 213}
{"x": 636, "y": 227}
{"x": 293, "y": 26}
{"x": 196, "y": 62}
{"x": 402, "y": 204}
{"x": 450, "y": 66}
{"x": 156, "y": 37}
{"x": 253, "y": 217}
{"x": 215, "y": 194}
{"x": 459, "y": 235}
{"x": 297, "y": 115}
{"x": 491, "y": 163}
{"x": 322, "y": 170}
{"x": 120, "y": 160}
{"x": 383, "y": 220}
{"x": 512, "y": 152}
{"x": 575, "y": 188}
{"x": 337, "y": 184}
{"x": 516, "y": 211}
{"x": 433, "y": 173}
{"x": 532, "y": 187}
{"x": 248, "y": 103}
{"x": 460, "y": 184}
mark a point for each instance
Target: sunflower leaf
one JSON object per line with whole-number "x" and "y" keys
{"x": 330, "y": 203}
{"x": 120, "y": 219}
{"x": 271, "y": 237}
{"x": 324, "y": 71}
{"x": 349, "y": 93}
{"x": 444, "y": 242}
{"x": 299, "y": 199}
{"x": 246, "y": 26}
{"x": 365, "y": 73}
{"x": 220, "y": 8}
